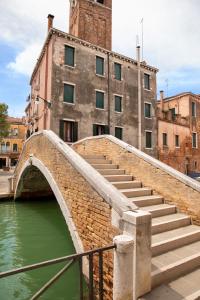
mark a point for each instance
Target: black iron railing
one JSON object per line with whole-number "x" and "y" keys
{"x": 71, "y": 259}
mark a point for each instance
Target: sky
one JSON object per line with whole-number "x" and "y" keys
{"x": 171, "y": 41}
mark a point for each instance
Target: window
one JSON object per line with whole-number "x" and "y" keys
{"x": 99, "y": 100}
{"x": 119, "y": 133}
{"x": 68, "y": 93}
{"x": 3, "y": 147}
{"x": 147, "y": 81}
{"x": 68, "y": 131}
{"x": 15, "y": 147}
{"x": 69, "y": 56}
{"x": 7, "y": 146}
{"x": 118, "y": 103}
{"x": 164, "y": 139}
{"x": 193, "y": 109}
{"x": 177, "y": 144}
{"x": 194, "y": 140}
{"x": 118, "y": 71}
{"x": 148, "y": 139}
{"x": 100, "y": 129}
{"x": 100, "y": 1}
{"x": 173, "y": 112}
{"x": 99, "y": 65}
{"x": 147, "y": 110}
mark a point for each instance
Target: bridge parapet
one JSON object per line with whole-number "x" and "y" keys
{"x": 174, "y": 186}
{"x": 92, "y": 207}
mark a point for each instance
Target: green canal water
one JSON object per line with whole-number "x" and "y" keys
{"x": 31, "y": 232}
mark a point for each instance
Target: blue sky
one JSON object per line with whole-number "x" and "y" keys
{"x": 171, "y": 41}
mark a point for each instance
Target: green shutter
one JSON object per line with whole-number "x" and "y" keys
{"x": 107, "y": 131}
{"x": 147, "y": 110}
{"x": 75, "y": 132}
{"x": 118, "y": 74}
{"x": 61, "y": 132}
{"x": 148, "y": 139}
{"x": 68, "y": 93}
{"x": 100, "y": 100}
{"x": 94, "y": 129}
{"x": 118, "y": 103}
{"x": 99, "y": 65}
{"x": 118, "y": 132}
{"x": 69, "y": 56}
{"x": 147, "y": 81}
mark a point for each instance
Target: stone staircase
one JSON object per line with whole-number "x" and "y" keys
{"x": 175, "y": 241}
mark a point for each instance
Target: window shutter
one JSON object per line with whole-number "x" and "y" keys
{"x": 75, "y": 132}
{"x": 61, "y": 133}
{"x": 99, "y": 100}
{"x": 94, "y": 129}
{"x": 107, "y": 131}
{"x": 118, "y": 75}
{"x": 68, "y": 93}
{"x": 69, "y": 56}
{"x": 99, "y": 65}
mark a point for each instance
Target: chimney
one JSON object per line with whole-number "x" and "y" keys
{"x": 50, "y": 21}
{"x": 162, "y": 100}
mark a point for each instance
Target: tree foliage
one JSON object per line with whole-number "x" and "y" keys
{"x": 4, "y": 126}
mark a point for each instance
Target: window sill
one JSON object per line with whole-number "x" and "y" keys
{"x": 100, "y": 108}
{"x": 148, "y": 90}
{"x": 101, "y": 76}
{"x": 69, "y": 103}
{"x": 148, "y": 118}
{"x": 148, "y": 148}
{"x": 118, "y": 112}
{"x": 71, "y": 67}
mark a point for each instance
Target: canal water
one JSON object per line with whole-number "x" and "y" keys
{"x": 31, "y": 232}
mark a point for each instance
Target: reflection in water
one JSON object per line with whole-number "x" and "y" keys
{"x": 31, "y": 232}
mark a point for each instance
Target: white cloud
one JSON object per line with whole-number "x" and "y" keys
{"x": 171, "y": 31}
{"x": 24, "y": 62}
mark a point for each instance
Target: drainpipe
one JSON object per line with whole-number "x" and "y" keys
{"x": 109, "y": 102}
{"x": 139, "y": 101}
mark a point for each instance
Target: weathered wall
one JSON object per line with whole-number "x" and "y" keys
{"x": 186, "y": 198}
{"x": 90, "y": 213}
{"x": 83, "y": 75}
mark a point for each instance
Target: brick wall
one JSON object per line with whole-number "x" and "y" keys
{"x": 186, "y": 198}
{"x": 91, "y": 214}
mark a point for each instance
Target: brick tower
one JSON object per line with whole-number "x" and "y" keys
{"x": 91, "y": 20}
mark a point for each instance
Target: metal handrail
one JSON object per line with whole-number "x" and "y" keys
{"x": 72, "y": 259}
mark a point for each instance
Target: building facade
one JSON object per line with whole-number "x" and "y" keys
{"x": 80, "y": 88}
{"x": 179, "y": 132}
{"x": 11, "y": 146}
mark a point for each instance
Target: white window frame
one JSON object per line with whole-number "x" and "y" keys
{"x": 196, "y": 140}
{"x": 151, "y": 140}
{"x": 69, "y": 83}
{"x": 71, "y": 67}
{"x": 118, "y": 112}
{"x": 101, "y": 91}
{"x": 104, "y": 73}
{"x": 148, "y": 118}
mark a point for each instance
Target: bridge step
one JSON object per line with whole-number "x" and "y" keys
{"x": 93, "y": 156}
{"x": 166, "y": 241}
{"x": 111, "y": 171}
{"x": 93, "y": 161}
{"x": 171, "y": 265}
{"x": 160, "y": 210}
{"x": 105, "y": 166}
{"x": 147, "y": 200}
{"x": 127, "y": 184}
{"x": 136, "y": 192}
{"x": 117, "y": 178}
{"x": 169, "y": 222}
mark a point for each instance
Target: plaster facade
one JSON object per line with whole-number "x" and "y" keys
{"x": 51, "y": 73}
{"x": 179, "y": 120}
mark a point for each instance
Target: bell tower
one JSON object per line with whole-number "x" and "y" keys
{"x": 91, "y": 20}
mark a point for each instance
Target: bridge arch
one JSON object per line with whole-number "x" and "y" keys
{"x": 35, "y": 180}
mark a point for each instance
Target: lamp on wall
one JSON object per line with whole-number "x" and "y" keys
{"x": 37, "y": 101}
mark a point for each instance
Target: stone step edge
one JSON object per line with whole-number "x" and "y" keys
{"x": 164, "y": 223}
{"x": 182, "y": 238}
{"x": 173, "y": 271}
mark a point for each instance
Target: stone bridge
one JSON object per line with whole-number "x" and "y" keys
{"x": 107, "y": 189}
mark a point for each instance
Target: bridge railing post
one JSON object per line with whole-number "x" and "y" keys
{"x": 123, "y": 268}
{"x": 137, "y": 224}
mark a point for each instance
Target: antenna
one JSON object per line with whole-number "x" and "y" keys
{"x": 142, "y": 32}
{"x": 167, "y": 86}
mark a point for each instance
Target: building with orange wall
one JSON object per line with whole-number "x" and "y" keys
{"x": 179, "y": 132}
{"x": 11, "y": 146}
